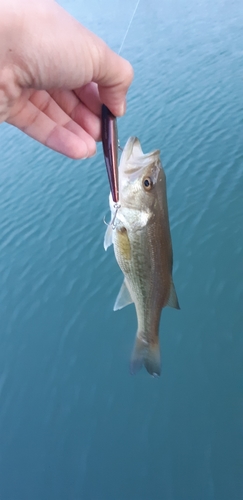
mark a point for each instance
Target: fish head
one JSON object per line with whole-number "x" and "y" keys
{"x": 139, "y": 176}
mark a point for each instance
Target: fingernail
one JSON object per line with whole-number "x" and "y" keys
{"x": 120, "y": 109}
{"x": 123, "y": 108}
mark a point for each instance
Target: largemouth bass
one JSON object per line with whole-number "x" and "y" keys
{"x": 143, "y": 249}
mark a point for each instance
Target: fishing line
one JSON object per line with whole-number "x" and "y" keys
{"x": 117, "y": 205}
{"x": 129, "y": 26}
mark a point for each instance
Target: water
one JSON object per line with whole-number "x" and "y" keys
{"x": 73, "y": 423}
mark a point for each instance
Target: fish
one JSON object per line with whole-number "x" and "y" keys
{"x": 140, "y": 234}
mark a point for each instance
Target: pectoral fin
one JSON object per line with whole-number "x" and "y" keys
{"x": 123, "y": 298}
{"x": 173, "y": 300}
{"x": 108, "y": 240}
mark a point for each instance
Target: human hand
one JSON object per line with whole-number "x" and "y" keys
{"x": 54, "y": 76}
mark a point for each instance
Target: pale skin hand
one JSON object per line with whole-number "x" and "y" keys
{"x": 54, "y": 75}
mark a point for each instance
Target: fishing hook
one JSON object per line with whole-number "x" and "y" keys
{"x": 112, "y": 222}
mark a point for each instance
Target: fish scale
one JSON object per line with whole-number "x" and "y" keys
{"x": 143, "y": 249}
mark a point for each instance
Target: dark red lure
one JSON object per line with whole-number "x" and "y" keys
{"x": 110, "y": 148}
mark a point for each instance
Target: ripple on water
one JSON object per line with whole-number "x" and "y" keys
{"x": 66, "y": 395}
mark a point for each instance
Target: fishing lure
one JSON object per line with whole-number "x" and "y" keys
{"x": 110, "y": 149}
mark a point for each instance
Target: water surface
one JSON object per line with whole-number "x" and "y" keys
{"x": 73, "y": 423}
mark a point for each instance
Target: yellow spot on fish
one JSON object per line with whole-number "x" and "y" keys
{"x": 124, "y": 243}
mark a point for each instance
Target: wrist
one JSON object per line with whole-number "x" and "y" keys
{"x": 9, "y": 32}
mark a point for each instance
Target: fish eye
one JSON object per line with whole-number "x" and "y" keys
{"x": 148, "y": 183}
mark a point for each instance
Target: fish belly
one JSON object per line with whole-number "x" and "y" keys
{"x": 143, "y": 259}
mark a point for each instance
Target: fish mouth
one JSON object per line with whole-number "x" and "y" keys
{"x": 133, "y": 159}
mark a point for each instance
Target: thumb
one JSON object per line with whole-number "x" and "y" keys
{"x": 114, "y": 75}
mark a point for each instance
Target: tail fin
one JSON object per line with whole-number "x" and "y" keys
{"x": 147, "y": 354}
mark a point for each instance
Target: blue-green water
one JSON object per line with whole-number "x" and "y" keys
{"x": 74, "y": 425}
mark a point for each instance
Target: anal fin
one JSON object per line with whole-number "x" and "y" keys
{"x": 173, "y": 300}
